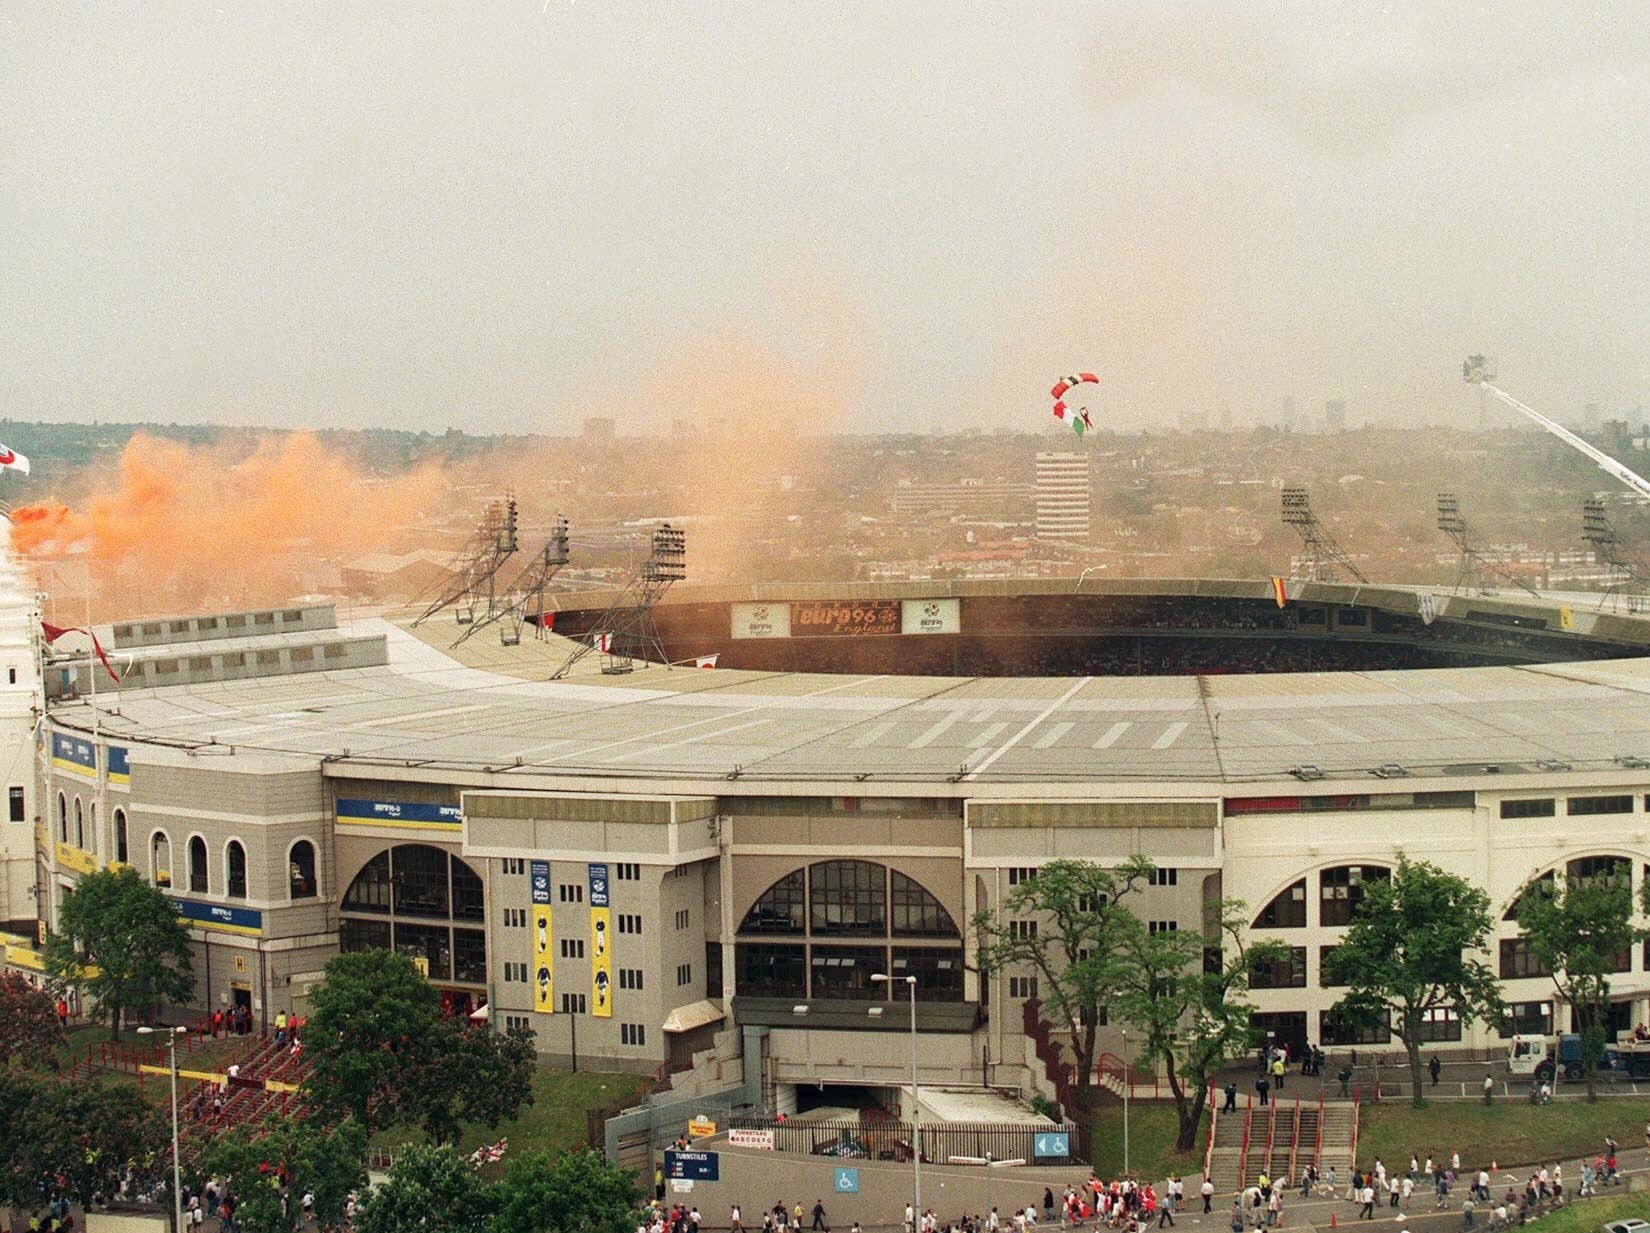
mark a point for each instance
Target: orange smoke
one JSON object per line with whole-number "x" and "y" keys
{"x": 181, "y": 528}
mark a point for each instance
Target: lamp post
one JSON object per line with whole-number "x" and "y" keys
{"x": 882, "y": 978}
{"x": 171, "y": 1035}
{"x": 1126, "y": 1086}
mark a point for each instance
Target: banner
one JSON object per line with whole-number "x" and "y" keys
{"x": 1280, "y": 590}
{"x": 601, "y": 946}
{"x": 1566, "y": 618}
{"x": 1429, "y": 607}
{"x": 930, "y": 616}
{"x": 761, "y": 620}
{"x": 73, "y": 755}
{"x": 402, "y": 815}
{"x": 852, "y": 618}
{"x": 543, "y": 968}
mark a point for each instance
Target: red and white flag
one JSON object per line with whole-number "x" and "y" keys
{"x": 705, "y": 661}
{"x": 12, "y": 460}
{"x": 53, "y": 632}
{"x": 602, "y": 641}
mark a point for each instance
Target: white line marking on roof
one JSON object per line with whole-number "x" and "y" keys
{"x": 1170, "y": 735}
{"x": 986, "y": 735}
{"x": 1054, "y": 733}
{"x": 935, "y": 731}
{"x": 873, "y": 734}
{"x": 414, "y": 719}
{"x": 1026, "y": 731}
{"x": 1109, "y": 738}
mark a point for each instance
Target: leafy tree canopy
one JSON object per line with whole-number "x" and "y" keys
{"x": 273, "y": 1165}
{"x": 432, "y": 1190}
{"x": 72, "y": 1138}
{"x": 575, "y": 1193}
{"x": 30, "y": 1034}
{"x": 120, "y": 942}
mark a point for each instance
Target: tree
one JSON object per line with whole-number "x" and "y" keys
{"x": 577, "y": 1192}
{"x": 1184, "y": 991}
{"x": 1068, "y": 923}
{"x": 119, "y": 941}
{"x": 1581, "y": 930}
{"x": 72, "y": 1138}
{"x": 463, "y": 1074}
{"x": 369, "y": 1018}
{"x": 273, "y": 1165}
{"x": 1407, "y": 958}
{"x": 30, "y": 1034}
{"x": 431, "y": 1189}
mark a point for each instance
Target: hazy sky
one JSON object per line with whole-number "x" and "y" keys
{"x": 509, "y": 216}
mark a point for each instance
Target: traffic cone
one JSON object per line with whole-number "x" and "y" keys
{"x": 1333, "y": 1223}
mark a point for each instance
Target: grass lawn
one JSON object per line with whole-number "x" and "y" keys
{"x": 555, "y": 1121}
{"x": 1152, "y": 1130}
{"x": 1510, "y": 1133}
{"x": 1588, "y": 1216}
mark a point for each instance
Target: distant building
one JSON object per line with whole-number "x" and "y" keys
{"x": 1334, "y": 416}
{"x": 1062, "y": 495}
{"x": 969, "y": 496}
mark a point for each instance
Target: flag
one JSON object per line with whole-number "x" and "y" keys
{"x": 1280, "y": 590}
{"x": 1077, "y": 426}
{"x": 1566, "y": 618}
{"x": 705, "y": 661}
{"x": 1429, "y": 608}
{"x": 602, "y": 641}
{"x": 11, "y": 459}
{"x": 54, "y": 632}
{"x": 1059, "y": 410}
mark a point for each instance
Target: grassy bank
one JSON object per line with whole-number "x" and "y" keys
{"x": 1587, "y": 1217}
{"x": 1152, "y": 1130}
{"x": 1510, "y": 1133}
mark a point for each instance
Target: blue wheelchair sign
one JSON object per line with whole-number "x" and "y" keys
{"x": 1053, "y": 1144}
{"x": 847, "y": 1181}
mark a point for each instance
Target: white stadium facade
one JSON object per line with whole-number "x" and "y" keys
{"x": 671, "y": 866}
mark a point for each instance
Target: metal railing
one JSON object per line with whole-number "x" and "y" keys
{"x": 891, "y": 1140}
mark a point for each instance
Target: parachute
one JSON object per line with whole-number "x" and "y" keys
{"x": 1078, "y": 417}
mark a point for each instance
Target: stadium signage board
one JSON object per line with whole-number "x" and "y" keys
{"x": 851, "y": 618}
{"x": 930, "y": 616}
{"x": 760, "y": 1140}
{"x": 761, "y": 620}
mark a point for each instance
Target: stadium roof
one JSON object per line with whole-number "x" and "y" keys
{"x": 486, "y": 709}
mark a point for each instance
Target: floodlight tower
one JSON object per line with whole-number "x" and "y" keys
{"x": 1479, "y": 561}
{"x": 626, "y": 629}
{"x": 1627, "y": 575}
{"x": 525, "y": 596}
{"x": 476, "y": 567}
{"x": 1323, "y": 555}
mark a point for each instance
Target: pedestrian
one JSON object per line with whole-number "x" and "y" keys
{"x": 1278, "y": 1069}
{"x": 1466, "y": 1213}
{"x": 910, "y": 1218}
{"x": 1207, "y": 1190}
{"x": 1274, "y": 1209}
{"x": 1366, "y": 1196}
{"x": 1048, "y": 1204}
{"x": 1165, "y": 1215}
{"x": 735, "y": 1223}
{"x": 1344, "y": 1078}
{"x": 1231, "y": 1104}
{"x": 819, "y": 1217}
{"x": 659, "y": 1185}
{"x": 1489, "y": 1089}
{"x": 1262, "y": 1087}
{"x": 1433, "y": 1067}
{"x": 1237, "y": 1215}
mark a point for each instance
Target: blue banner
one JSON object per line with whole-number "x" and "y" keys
{"x": 216, "y": 916}
{"x": 72, "y": 754}
{"x": 541, "y": 881}
{"x": 119, "y": 770}
{"x": 693, "y": 1166}
{"x": 598, "y": 886}
{"x": 408, "y": 815}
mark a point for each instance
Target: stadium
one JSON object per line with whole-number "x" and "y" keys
{"x": 674, "y": 870}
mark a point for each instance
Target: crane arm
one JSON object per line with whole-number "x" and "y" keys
{"x": 1631, "y": 478}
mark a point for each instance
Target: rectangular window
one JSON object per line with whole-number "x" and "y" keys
{"x": 571, "y": 892}
{"x": 771, "y": 971}
{"x": 1022, "y": 986}
{"x": 1022, "y": 873}
{"x": 572, "y": 948}
{"x": 1516, "y": 960}
{"x": 1022, "y": 929}
{"x": 514, "y": 865}
{"x": 682, "y": 919}
{"x": 1164, "y": 877}
{"x": 572, "y": 1003}
{"x": 630, "y": 922}
{"x": 515, "y": 971}
{"x": 1341, "y": 890}
{"x": 627, "y": 871}
{"x": 1163, "y": 926}
{"x": 630, "y": 978}
{"x": 1332, "y": 1032}
{"x": 517, "y": 1023}
{"x": 1528, "y": 1019}
{"x": 515, "y": 918}
{"x": 632, "y": 1034}
{"x": 1324, "y": 980}
{"x": 1441, "y": 1023}
{"x": 684, "y": 974}
{"x": 1586, "y": 806}
{"x": 1287, "y": 973}
{"x": 14, "y": 799}
{"x": 1538, "y": 808}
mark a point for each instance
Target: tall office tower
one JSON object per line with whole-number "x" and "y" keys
{"x": 1062, "y": 495}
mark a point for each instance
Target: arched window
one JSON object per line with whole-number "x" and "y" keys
{"x": 1599, "y": 868}
{"x": 300, "y": 865}
{"x": 1542, "y": 885}
{"x": 917, "y": 913}
{"x": 1341, "y": 890}
{"x": 848, "y": 898}
{"x": 197, "y": 865}
{"x": 782, "y": 908}
{"x": 1287, "y": 911}
{"x": 235, "y": 869}
{"x": 428, "y": 895}
{"x": 79, "y": 824}
{"x": 160, "y": 858}
{"x": 63, "y": 817}
{"x": 121, "y": 853}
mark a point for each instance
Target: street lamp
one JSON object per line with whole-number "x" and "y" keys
{"x": 1126, "y": 1086}
{"x": 172, "y": 1035}
{"x": 990, "y": 1162}
{"x": 882, "y": 978}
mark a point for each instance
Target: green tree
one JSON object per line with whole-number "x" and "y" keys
{"x": 1408, "y": 957}
{"x": 30, "y": 1034}
{"x": 575, "y": 1193}
{"x": 119, "y": 941}
{"x": 273, "y": 1165}
{"x": 370, "y": 1019}
{"x": 1183, "y": 990}
{"x": 1581, "y": 929}
{"x": 464, "y": 1074}
{"x": 72, "y": 1138}
{"x": 432, "y": 1190}
{"x": 1069, "y": 924}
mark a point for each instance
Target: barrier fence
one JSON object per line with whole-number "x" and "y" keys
{"x": 891, "y": 1140}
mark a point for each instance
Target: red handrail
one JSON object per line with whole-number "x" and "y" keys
{"x": 1354, "y": 1133}
{"x": 1295, "y": 1137}
{"x": 1214, "y": 1116}
{"x": 1248, "y": 1126}
{"x": 1317, "y": 1152}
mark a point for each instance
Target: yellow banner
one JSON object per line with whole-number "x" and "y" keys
{"x": 601, "y": 964}
{"x": 1566, "y": 618}
{"x": 544, "y": 968}
{"x": 78, "y": 859}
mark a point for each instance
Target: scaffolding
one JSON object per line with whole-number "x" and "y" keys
{"x": 474, "y": 571}
{"x": 1479, "y": 562}
{"x": 523, "y": 602}
{"x": 1627, "y": 578}
{"x": 1322, "y": 556}
{"x": 625, "y": 631}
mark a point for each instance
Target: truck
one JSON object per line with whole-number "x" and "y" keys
{"x": 1550, "y": 1058}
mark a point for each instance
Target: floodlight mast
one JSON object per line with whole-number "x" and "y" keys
{"x": 1477, "y": 370}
